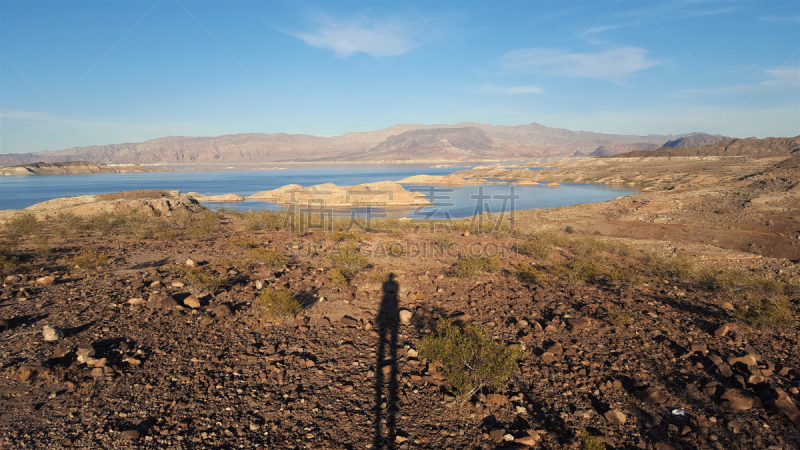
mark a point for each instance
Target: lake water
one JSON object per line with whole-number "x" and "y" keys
{"x": 463, "y": 201}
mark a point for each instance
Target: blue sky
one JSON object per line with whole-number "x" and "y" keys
{"x": 93, "y": 73}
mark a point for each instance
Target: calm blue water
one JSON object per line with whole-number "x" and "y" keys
{"x": 21, "y": 192}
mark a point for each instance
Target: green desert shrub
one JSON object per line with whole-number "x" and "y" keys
{"x": 619, "y": 317}
{"x": 470, "y": 361}
{"x": 668, "y": 267}
{"x": 469, "y": 266}
{"x": 625, "y": 273}
{"x": 90, "y": 259}
{"x": 262, "y": 220}
{"x": 200, "y": 279}
{"x": 8, "y": 262}
{"x": 716, "y": 279}
{"x": 346, "y": 236}
{"x": 21, "y": 224}
{"x": 341, "y": 277}
{"x": 581, "y": 270}
{"x": 69, "y": 224}
{"x": 772, "y": 314}
{"x": 242, "y": 242}
{"x": 279, "y": 305}
{"x": 443, "y": 242}
{"x": 527, "y": 273}
{"x": 267, "y": 257}
{"x": 536, "y": 248}
{"x": 204, "y": 225}
{"x": 590, "y": 442}
{"x": 41, "y": 246}
{"x": 346, "y": 256}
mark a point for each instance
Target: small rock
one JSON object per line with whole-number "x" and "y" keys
{"x": 578, "y": 324}
{"x": 497, "y": 435}
{"x": 651, "y": 395}
{"x": 51, "y": 333}
{"x": 130, "y": 435}
{"x": 348, "y": 321}
{"x": 615, "y": 416}
{"x": 46, "y": 280}
{"x": 192, "y": 302}
{"x": 497, "y": 399}
{"x": 725, "y": 329}
{"x": 786, "y": 406}
{"x": 727, "y": 306}
{"x": 699, "y": 348}
{"x": 405, "y": 316}
{"x": 191, "y": 263}
{"x": 177, "y": 284}
{"x": 739, "y": 400}
{"x": 528, "y": 441}
{"x": 221, "y": 310}
{"x": 136, "y": 301}
{"x": 466, "y": 233}
{"x": 549, "y": 357}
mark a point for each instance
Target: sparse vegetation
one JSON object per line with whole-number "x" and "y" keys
{"x": 199, "y": 279}
{"x": 90, "y": 259}
{"x": 242, "y": 242}
{"x": 527, "y": 273}
{"x": 590, "y": 442}
{"x": 569, "y": 229}
{"x": 341, "y": 277}
{"x": 667, "y": 267}
{"x": 267, "y": 257}
{"x": 715, "y": 279}
{"x": 279, "y": 305}
{"x": 444, "y": 242}
{"x": 204, "y": 225}
{"x": 346, "y": 256}
{"x": 41, "y": 246}
{"x": 345, "y": 236}
{"x": 619, "y": 317}
{"x": 772, "y": 314}
{"x": 8, "y": 262}
{"x": 469, "y": 266}
{"x": 470, "y": 361}
{"x": 23, "y": 223}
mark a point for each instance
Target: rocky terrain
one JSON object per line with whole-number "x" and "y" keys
{"x": 156, "y": 339}
{"x": 73, "y": 168}
{"x": 465, "y": 141}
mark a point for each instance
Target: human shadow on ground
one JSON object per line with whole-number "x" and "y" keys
{"x": 386, "y": 371}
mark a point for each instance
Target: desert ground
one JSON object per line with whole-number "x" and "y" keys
{"x": 663, "y": 320}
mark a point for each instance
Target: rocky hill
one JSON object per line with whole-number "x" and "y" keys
{"x": 735, "y": 147}
{"x": 607, "y": 150}
{"x": 405, "y": 142}
{"x": 695, "y": 140}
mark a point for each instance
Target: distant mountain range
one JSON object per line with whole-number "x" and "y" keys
{"x": 401, "y": 143}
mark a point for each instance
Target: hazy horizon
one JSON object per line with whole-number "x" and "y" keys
{"x": 77, "y": 74}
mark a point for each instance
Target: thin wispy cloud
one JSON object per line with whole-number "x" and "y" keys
{"x": 379, "y": 37}
{"x": 795, "y": 18}
{"x": 615, "y": 65}
{"x": 511, "y": 90}
{"x": 776, "y": 81}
